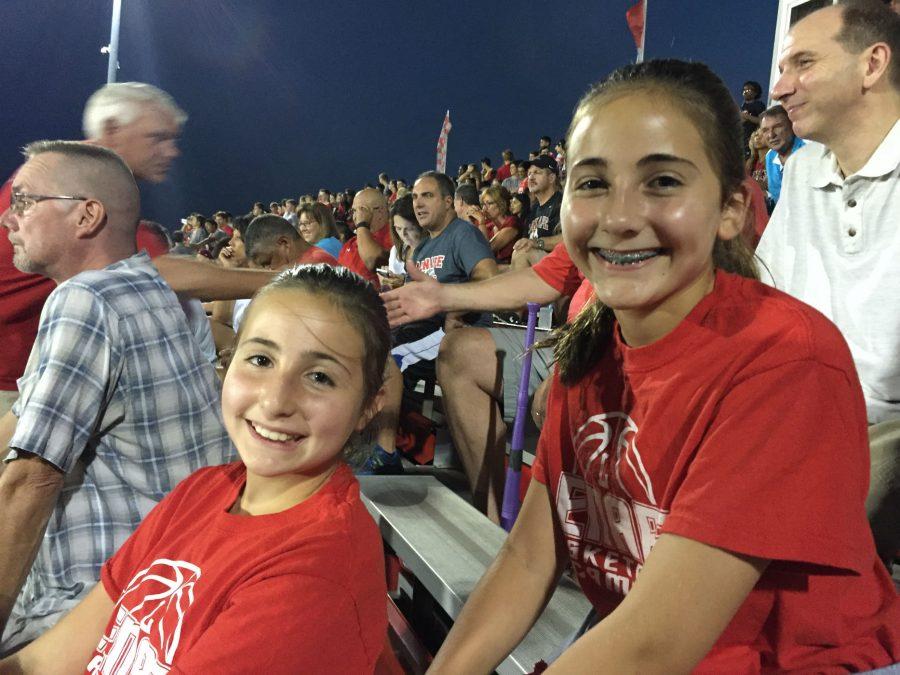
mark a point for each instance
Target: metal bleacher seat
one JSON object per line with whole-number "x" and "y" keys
{"x": 447, "y": 545}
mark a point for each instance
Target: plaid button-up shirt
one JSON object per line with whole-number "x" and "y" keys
{"x": 118, "y": 396}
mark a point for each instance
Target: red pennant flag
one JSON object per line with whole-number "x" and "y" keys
{"x": 635, "y": 18}
{"x": 441, "y": 164}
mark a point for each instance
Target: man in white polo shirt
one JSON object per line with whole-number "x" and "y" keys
{"x": 834, "y": 238}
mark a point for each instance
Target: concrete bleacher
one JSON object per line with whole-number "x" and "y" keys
{"x": 447, "y": 545}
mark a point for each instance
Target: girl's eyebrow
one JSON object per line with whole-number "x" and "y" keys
{"x": 662, "y": 157}
{"x": 591, "y": 161}
{"x": 264, "y": 342}
{"x": 655, "y": 158}
{"x": 312, "y": 355}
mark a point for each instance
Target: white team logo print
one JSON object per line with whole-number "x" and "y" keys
{"x": 612, "y": 520}
{"x": 592, "y": 444}
{"x": 149, "y": 618}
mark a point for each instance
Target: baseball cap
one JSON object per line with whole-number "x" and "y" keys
{"x": 544, "y": 162}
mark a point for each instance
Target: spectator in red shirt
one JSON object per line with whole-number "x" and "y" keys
{"x": 496, "y": 223}
{"x": 369, "y": 248}
{"x": 505, "y": 170}
{"x": 487, "y": 173}
{"x": 271, "y": 243}
{"x": 271, "y": 564}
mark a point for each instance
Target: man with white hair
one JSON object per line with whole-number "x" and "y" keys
{"x": 117, "y": 404}
{"x": 142, "y": 124}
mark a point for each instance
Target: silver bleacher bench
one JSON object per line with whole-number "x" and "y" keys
{"x": 448, "y": 545}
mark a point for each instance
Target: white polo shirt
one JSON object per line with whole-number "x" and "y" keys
{"x": 834, "y": 243}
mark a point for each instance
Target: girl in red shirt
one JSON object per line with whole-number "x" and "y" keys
{"x": 271, "y": 564}
{"x": 704, "y": 462}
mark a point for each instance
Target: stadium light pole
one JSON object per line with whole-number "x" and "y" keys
{"x": 113, "y": 48}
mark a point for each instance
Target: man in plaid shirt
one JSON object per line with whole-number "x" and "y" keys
{"x": 117, "y": 404}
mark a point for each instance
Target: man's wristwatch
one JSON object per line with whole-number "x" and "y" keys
{"x": 540, "y": 243}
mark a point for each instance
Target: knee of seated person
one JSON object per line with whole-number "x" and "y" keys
{"x": 463, "y": 348}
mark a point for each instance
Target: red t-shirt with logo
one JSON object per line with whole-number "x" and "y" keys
{"x": 745, "y": 429}
{"x": 349, "y": 256}
{"x": 200, "y": 590}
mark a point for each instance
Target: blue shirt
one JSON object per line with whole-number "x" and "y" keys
{"x": 775, "y": 168}
{"x": 330, "y": 244}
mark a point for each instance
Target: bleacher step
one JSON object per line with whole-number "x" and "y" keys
{"x": 447, "y": 545}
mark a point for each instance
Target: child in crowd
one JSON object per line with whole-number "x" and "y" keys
{"x": 271, "y": 564}
{"x": 704, "y": 461}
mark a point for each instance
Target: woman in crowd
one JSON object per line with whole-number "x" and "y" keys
{"x": 406, "y": 235}
{"x": 316, "y": 225}
{"x": 496, "y": 223}
{"x": 271, "y": 564}
{"x": 487, "y": 172}
{"x": 519, "y": 204}
{"x": 756, "y": 162}
{"x": 703, "y": 465}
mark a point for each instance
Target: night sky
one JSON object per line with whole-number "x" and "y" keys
{"x": 285, "y": 97}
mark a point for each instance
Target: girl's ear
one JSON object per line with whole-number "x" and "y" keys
{"x": 735, "y": 213}
{"x": 371, "y": 410}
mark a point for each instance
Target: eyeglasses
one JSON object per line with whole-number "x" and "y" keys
{"x": 20, "y": 202}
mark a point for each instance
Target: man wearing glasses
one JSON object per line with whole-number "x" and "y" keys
{"x": 117, "y": 403}
{"x": 370, "y": 247}
{"x": 142, "y": 124}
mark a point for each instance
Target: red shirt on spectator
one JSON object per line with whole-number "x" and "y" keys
{"x": 503, "y": 172}
{"x": 350, "y": 258}
{"x": 504, "y": 254}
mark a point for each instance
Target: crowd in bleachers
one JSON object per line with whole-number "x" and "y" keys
{"x": 718, "y": 405}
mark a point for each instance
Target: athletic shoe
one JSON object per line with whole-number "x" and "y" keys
{"x": 381, "y": 463}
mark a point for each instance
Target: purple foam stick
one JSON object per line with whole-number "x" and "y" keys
{"x": 510, "y": 509}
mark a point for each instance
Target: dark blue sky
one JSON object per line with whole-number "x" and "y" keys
{"x": 287, "y": 96}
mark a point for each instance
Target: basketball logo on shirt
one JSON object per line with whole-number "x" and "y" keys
{"x": 608, "y": 508}
{"x": 149, "y": 617}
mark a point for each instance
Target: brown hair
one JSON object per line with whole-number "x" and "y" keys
{"x": 321, "y": 214}
{"x": 500, "y": 195}
{"x": 866, "y": 22}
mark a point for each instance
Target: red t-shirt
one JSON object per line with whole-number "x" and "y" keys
{"x": 350, "y": 258}
{"x": 314, "y": 255}
{"x": 745, "y": 429}
{"x": 204, "y": 591}
{"x": 505, "y": 253}
{"x": 503, "y": 172}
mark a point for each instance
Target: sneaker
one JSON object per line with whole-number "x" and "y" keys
{"x": 381, "y": 463}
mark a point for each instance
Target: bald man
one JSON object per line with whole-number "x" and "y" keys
{"x": 117, "y": 403}
{"x": 370, "y": 247}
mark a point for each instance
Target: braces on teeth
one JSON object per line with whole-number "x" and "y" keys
{"x": 627, "y": 258}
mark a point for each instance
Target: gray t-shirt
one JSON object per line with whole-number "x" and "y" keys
{"x": 452, "y": 255}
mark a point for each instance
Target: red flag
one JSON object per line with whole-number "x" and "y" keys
{"x": 635, "y": 18}
{"x": 441, "y": 164}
